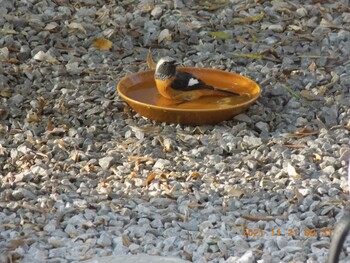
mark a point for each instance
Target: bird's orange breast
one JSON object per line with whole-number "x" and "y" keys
{"x": 164, "y": 88}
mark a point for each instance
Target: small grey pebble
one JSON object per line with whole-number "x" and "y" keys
{"x": 104, "y": 240}
{"x": 252, "y": 141}
{"x": 262, "y": 126}
{"x": 106, "y": 162}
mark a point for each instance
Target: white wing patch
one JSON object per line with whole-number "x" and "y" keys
{"x": 192, "y": 82}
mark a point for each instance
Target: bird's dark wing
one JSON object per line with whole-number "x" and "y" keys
{"x": 185, "y": 82}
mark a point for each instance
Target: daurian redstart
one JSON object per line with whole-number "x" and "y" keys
{"x": 178, "y": 85}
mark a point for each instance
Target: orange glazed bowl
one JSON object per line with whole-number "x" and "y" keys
{"x": 140, "y": 92}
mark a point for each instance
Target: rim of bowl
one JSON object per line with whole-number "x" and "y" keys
{"x": 126, "y": 98}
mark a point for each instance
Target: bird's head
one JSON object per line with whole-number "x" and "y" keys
{"x": 166, "y": 68}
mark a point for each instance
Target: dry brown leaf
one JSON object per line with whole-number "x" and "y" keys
{"x": 140, "y": 159}
{"x": 14, "y": 256}
{"x": 126, "y": 240}
{"x": 309, "y": 96}
{"x": 210, "y": 5}
{"x": 56, "y": 131}
{"x": 333, "y": 202}
{"x": 325, "y": 23}
{"x": 150, "y": 178}
{"x": 264, "y": 218}
{"x": 303, "y": 132}
{"x": 14, "y": 131}
{"x": 146, "y": 7}
{"x": 242, "y": 40}
{"x": 50, "y": 126}
{"x": 8, "y": 31}
{"x": 298, "y": 195}
{"x": 15, "y": 244}
{"x": 193, "y": 176}
{"x": 312, "y": 67}
{"x": 11, "y": 60}
{"x": 248, "y": 55}
{"x": 27, "y": 69}
{"x": 5, "y": 93}
{"x": 75, "y": 156}
{"x": 61, "y": 144}
{"x": 316, "y": 157}
{"x": 104, "y": 183}
{"x": 295, "y": 27}
{"x": 11, "y": 179}
{"x": 235, "y": 192}
{"x": 101, "y": 15}
{"x": 88, "y": 168}
{"x": 164, "y": 176}
{"x": 64, "y": 46}
{"x": 166, "y": 188}
{"x": 42, "y": 155}
{"x": 65, "y": 127}
{"x": 322, "y": 89}
{"x": 167, "y": 145}
{"x": 33, "y": 117}
{"x": 76, "y": 26}
{"x": 61, "y": 107}
{"x": 294, "y": 146}
{"x": 102, "y": 44}
{"x": 132, "y": 175}
{"x": 195, "y": 205}
{"x": 108, "y": 33}
{"x": 150, "y": 63}
{"x": 30, "y": 139}
{"x": 28, "y": 158}
{"x": 220, "y": 35}
{"x": 249, "y": 19}
{"x": 137, "y": 166}
{"x": 187, "y": 256}
{"x": 284, "y": 10}
{"x": 171, "y": 196}
{"x": 252, "y": 35}
{"x": 264, "y": 182}
{"x": 41, "y": 103}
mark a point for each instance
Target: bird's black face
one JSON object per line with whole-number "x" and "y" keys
{"x": 166, "y": 68}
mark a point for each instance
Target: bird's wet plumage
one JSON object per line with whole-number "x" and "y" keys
{"x": 182, "y": 86}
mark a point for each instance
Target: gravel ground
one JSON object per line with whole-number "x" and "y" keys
{"x": 76, "y": 163}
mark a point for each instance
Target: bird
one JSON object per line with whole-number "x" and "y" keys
{"x": 177, "y": 85}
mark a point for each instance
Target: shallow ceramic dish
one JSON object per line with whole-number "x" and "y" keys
{"x": 139, "y": 91}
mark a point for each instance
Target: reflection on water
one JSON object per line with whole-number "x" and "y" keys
{"x": 151, "y": 96}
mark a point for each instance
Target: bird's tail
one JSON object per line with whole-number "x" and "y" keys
{"x": 224, "y": 91}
